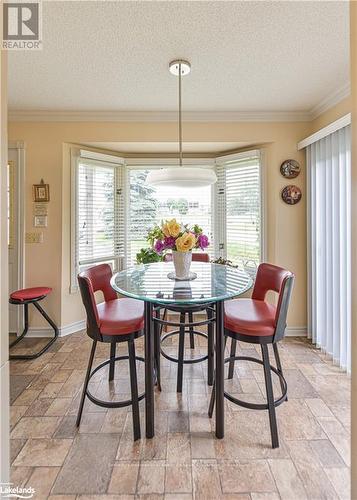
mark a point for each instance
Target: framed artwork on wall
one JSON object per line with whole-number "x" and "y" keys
{"x": 41, "y": 192}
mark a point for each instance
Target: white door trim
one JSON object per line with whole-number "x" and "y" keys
{"x": 19, "y": 147}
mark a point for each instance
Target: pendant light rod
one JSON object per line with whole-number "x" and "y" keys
{"x": 180, "y": 116}
{"x": 180, "y": 68}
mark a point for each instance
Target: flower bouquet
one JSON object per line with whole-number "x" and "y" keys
{"x": 181, "y": 239}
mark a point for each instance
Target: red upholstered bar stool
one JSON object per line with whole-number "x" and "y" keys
{"x": 189, "y": 310}
{"x": 258, "y": 322}
{"x": 112, "y": 321}
{"x": 25, "y": 297}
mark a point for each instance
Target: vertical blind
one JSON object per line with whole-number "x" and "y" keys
{"x": 239, "y": 219}
{"x": 329, "y": 209}
{"x": 99, "y": 214}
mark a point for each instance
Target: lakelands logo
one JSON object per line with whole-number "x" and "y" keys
{"x": 22, "y": 26}
{"x": 9, "y": 491}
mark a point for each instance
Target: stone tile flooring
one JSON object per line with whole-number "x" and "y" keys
{"x": 184, "y": 460}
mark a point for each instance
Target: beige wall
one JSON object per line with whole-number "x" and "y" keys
{"x": 353, "y": 30}
{"x": 332, "y": 114}
{"x": 47, "y": 157}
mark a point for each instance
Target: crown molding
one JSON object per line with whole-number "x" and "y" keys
{"x": 148, "y": 116}
{"x": 18, "y": 115}
{"x": 331, "y": 100}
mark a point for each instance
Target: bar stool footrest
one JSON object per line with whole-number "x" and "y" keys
{"x": 185, "y": 361}
{"x": 257, "y": 406}
{"x": 112, "y": 404}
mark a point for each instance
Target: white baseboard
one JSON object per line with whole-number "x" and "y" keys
{"x": 44, "y": 331}
{"x": 296, "y": 331}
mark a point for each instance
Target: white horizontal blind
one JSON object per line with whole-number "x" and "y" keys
{"x": 149, "y": 205}
{"x": 241, "y": 195}
{"x": 329, "y": 218}
{"x": 99, "y": 214}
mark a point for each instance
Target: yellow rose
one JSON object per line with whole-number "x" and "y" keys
{"x": 186, "y": 242}
{"x": 171, "y": 228}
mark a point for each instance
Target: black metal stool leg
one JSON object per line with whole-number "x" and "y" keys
{"x": 181, "y": 352}
{"x": 213, "y": 393}
{"x": 192, "y": 337}
{"x": 157, "y": 337}
{"x": 270, "y": 397}
{"x": 86, "y": 381}
{"x": 210, "y": 346}
{"x": 112, "y": 361}
{"x": 44, "y": 349}
{"x": 134, "y": 390}
{"x": 278, "y": 365}
{"x": 232, "y": 355}
{"x": 26, "y": 326}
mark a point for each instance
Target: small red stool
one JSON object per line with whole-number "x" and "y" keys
{"x": 24, "y": 298}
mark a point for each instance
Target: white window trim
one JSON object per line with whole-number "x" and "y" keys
{"x": 95, "y": 158}
{"x": 224, "y": 160}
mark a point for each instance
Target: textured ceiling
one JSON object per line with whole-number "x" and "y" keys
{"x": 246, "y": 56}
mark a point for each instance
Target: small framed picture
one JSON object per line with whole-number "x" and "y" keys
{"x": 41, "y": 192}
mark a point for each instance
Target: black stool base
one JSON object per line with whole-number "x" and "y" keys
{"x": 26, "y": 326}
{"x": 271, "y": 403}
{"x": 185, "y": 361}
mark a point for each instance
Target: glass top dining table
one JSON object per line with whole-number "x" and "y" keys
{"x": 214, "y": 284}
{"x": 150, "y": 282}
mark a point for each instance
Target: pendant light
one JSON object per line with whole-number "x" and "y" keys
{"x": 181, "y": 176}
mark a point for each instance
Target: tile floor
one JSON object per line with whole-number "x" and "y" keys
{"x": 184, "y": 460}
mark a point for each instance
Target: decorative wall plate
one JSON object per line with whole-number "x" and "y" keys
{"x": 290, "y": 169}
{"x": 291, "y": 194}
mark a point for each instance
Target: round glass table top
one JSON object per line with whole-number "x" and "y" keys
{"x": 150, "y": 283}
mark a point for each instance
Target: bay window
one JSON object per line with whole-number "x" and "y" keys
{"x": 113, "y": 208}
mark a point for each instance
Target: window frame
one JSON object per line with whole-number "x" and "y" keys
{"x": 223, "y": 163}
{"x": 218, "y": 215}
{"x": 154, "y": 164}
{"x": 116, "y": 162}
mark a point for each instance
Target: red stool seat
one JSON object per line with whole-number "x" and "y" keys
{"x": 30, "y": 293}
{"x": 250, "y": 317}
{"x": 120, "y": 316}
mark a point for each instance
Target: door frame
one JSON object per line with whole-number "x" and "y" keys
{"x": 19, "y": 148}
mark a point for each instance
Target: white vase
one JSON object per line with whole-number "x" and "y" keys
{"x": 182, "y": 262}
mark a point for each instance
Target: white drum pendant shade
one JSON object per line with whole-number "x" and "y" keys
{"x": 185, "y": 177}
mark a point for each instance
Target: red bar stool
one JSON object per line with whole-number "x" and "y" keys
{"x": 180, "y": 360}
{"x": 258, "y": 322}
{"x": 112, "y": 321}
{"x": 25, "y": 297}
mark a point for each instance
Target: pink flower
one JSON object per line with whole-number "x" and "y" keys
{"x": 159, "y": 247}
{"x": 169, "y": 242}
{"x": 202, "y": 241}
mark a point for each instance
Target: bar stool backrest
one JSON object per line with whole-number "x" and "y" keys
{"x": 279, "y": 280}
{"x": 196, "y": 257}
{"x": 90, "y": 281}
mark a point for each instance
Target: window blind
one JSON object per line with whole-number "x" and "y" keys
{"x": 239, "y": 217}
{"x": 99, "y": 214}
